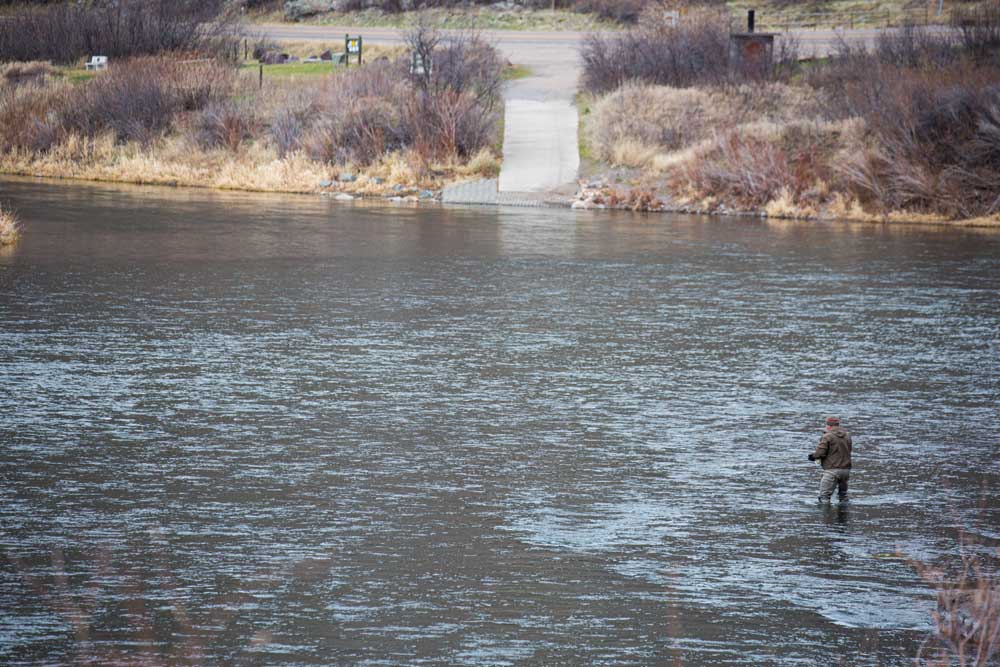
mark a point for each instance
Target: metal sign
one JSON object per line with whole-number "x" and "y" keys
{"x": 353, "y": 46}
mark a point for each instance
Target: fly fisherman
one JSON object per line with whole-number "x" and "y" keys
{"x": 834, "y": 454}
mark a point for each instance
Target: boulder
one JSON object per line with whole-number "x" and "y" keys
{"x": 347, "y": 177}
{"x": 326, "y": 55}
{"x": 296, "y": 10}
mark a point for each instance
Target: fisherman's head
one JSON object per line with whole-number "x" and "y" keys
{"x": 832, "y": 422}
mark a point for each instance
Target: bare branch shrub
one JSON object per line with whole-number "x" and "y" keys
{"x": 224, "y": 125}
{"x": 967, "y": 616}
{"x": 64, "y": 32}
{"x": 694, "y": 52}
{"x": 936, "y": 146}
{"x": 286, "y": 131}
{"x": 137, "y": 99}
{"x": 754, "y": 168}
{"x": 978, "y": 30}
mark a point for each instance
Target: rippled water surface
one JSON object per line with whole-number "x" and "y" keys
{"x": 255, "y": 430}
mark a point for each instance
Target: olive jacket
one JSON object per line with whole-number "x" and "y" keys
{"x": 834, "y": 449}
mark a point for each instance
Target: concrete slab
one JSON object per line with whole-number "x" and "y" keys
{"x": 540, "y": 149}
{"x": 472, "y": 192}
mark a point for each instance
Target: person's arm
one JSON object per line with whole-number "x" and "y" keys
{"x": 821, "y": 450}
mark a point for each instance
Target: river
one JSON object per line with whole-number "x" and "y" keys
{"x": 243, "y": 429}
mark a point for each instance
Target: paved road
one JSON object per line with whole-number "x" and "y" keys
{"x": 540, "y": 132}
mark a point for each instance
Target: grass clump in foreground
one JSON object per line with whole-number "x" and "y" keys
{"x": 906, "y": 130}
{"x": 10, "y": 229}
{"x": 201, "y": 122}
{"x": 967, "y": 615}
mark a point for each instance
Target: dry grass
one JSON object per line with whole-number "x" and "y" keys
{"x": 643, "y": 126}
{"x": 967, "y": 617}
{"x": 10, "y": 228}
{"x": 22, "y": 70}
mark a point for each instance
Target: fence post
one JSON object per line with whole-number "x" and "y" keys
{"x": 260, "y": 80}
{"x": 347, "y": 50}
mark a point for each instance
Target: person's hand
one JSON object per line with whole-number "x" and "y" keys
{"x": 812, "y": 457}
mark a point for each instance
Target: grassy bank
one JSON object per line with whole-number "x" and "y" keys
{"x": 905, "y": 131}
{"x": 371, "y": 130}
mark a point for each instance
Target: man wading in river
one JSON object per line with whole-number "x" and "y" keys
{"x": 834, "y": 454}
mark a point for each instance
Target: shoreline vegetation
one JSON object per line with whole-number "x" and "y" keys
{"x": 172, "y": 112}
{"x": 10, "y": 228}
{"x": 904, "y": 131}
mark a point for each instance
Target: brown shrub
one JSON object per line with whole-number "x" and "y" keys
{"x": 933, "y": 146}
{"x": 967, "y": 615}
{"x": 137, "y": 99}
{"x": 751, "y": 166}
{"x": 65, "y": 31}
{"x": 225, "y": 125}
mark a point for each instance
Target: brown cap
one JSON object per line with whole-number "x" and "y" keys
{"x": 833, "y": 421}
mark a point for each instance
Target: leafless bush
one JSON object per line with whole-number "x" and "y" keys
{"x": 65, "y": 32}
{"x": 967, "y": 617}
{"x": 750, "y": 171}
{"x": 362, "y": 132}
{"x": 286, "y": 131}
{"x": 978, "y": 30}
{"x": 137, "y": 99}
{"x": 915, "y": 46}
{"x": 935, "y": 146}
{"x": 694, "y": 52}
{"x": 225, "y": 125}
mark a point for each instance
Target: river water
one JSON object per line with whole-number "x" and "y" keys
{"x": 243, "y": 429}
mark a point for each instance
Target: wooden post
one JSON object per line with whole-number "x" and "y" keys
{"x": 260, "y": 81}
{"x": 245, "y": 46}
{"x": 361, "y": 49}
{"x": 347, "y": 50}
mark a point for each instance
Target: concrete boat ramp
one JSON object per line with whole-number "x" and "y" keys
{"x": 540, "y": 146}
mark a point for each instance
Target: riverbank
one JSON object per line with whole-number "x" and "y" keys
{"x": 901, "y": 131}
{"x": 375, "y": 130}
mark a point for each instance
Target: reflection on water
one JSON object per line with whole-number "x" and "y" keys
{"x": 275, "y": 430}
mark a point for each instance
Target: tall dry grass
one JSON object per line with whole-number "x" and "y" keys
{"x": 967, "y": 614}
{"x": 10, "y": 228}
{"x": 661, "y": 120}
